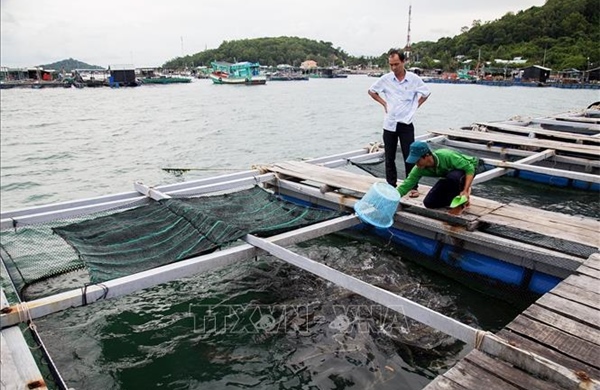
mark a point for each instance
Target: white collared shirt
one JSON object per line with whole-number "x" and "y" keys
{"x": 402, "y": 97}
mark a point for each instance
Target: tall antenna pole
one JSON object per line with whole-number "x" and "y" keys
{"x": 181, "y": 46}
{"x": 407, "y": 47}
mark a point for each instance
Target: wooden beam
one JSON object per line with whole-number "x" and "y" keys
{"x": 93, "y": 207}
{"x": 497, "y": 172}
{"x": 519, "y": 152}
{"x": 521, "y": 254}
{"x": 390, "y": 300}
{"x": 578, "y": 137}
{"x": 588, "y": 127}
{"x": 577, "y": 118}
{"x": 485, "y": 341}
{"x": 131, "y": 196}
{"x": 332, "y": 177}
{"x": 19, "y": 369}
{"x": 123, "y": 198}
{"x": 545, "y": 170}
{"x": 30, "y": 219}
{"x": 587, "y": 150}
{"x": 150, "y": 278}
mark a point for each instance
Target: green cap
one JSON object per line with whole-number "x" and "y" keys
{"x": 417, "y": 150}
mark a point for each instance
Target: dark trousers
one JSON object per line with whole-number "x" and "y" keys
{"x": 442, "y": 193}
{"x": 406, "y": 134}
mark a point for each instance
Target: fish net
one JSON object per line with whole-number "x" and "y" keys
{"x": 121, "y": 242}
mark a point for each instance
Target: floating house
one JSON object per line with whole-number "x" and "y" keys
{"x": 594, "y": 74}
{"x": 535, "y": 73}
{"x": 122, "y": 76}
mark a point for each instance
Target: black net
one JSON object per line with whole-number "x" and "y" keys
{"x": 148, "y": 236}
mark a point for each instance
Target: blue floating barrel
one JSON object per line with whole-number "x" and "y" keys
{"x": 379, "y": 205}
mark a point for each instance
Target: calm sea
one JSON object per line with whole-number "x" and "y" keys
{"x": 209, "y": 331}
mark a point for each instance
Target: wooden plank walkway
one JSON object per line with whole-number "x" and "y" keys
{"x": 589, "y": 151}
{"x": 580, "y": 230}
{"x": 576, "y": 118}
{"x": 577, "y": 126}
{"x": 18, "y": 367}
{"x": 334, "y": 178}
{"x": 578, "y": 138}
{"x": 562, "y": 326}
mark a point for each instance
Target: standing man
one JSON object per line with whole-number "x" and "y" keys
{"x": 404, "y": 93}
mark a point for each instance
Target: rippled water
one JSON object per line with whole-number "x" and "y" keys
{"x": 62, "y": 144}
{"x": 260, "y": 324}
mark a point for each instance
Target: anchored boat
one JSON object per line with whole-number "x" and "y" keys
{"x": 240, "y": 73}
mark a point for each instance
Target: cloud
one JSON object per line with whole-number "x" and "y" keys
{"x": 149, "y": 33}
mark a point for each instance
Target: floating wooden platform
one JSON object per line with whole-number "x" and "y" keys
{"x": 580, "y": 230}
{"x": 537, "y": 132}
{"x": 19, "y": 368}
{"x": 562, "y": 326}
{"x": 318, "y": 182}
{"x": 588, "y": 151}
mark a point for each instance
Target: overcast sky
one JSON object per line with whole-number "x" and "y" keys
{"x": 149, "y": 33}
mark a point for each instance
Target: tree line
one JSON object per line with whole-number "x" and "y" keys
{"x": 561, "y": 34}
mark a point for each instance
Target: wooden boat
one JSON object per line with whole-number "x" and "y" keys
{"x": 328, "y": 73}
{"x": 287, "y": 76}
{"x": 91, "y": 77}
{"x": 152, "y": 76}
{"x": 164, "y": 79}
{"x": 239, "y": 73}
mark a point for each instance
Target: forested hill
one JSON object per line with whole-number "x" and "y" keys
{"x": 68, "y": 65}
{"x": 560, "y": 34}
{"x": 266, "y": 51}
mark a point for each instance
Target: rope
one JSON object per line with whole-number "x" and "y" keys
{"x": 374, "y": 147}
{"x": 84, "y": 292}
{"x": 25, "y": 316}
{"x": 479, "y": 336}
{"x": 23, "y": 311}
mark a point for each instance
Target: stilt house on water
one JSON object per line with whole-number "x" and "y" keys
{"x": 535, "y": 73}
{"x": 122, "y": 76}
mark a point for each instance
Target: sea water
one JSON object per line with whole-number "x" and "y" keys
{"x": 260, "y": 324}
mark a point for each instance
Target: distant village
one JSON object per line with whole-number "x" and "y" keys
{"x": 500, "y": 72}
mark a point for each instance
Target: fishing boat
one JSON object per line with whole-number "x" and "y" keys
{"x": 91, "y": 77}
{"x": 165, "y": 79}
{"x": 239, "y": 73}
{"x": 287, "y": 76}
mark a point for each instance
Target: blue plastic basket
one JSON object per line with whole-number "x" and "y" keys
{"x": 379, "y": 205}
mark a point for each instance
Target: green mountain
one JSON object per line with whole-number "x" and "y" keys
{"x": 68, "y": 65}
{"x": 266, "y": 51}
{"x": 560, "y": 34}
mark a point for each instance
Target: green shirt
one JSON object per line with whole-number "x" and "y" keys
{"x": 446, "y": 160}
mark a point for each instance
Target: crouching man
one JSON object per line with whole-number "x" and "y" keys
{"x": 455, "y": 170}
